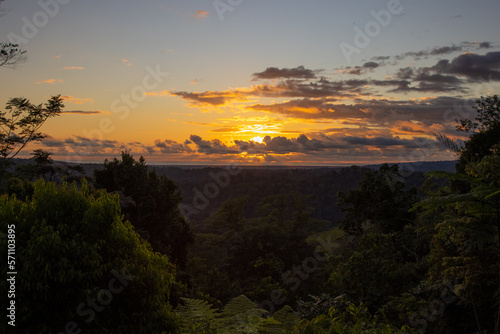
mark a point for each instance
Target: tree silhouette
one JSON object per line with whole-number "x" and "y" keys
{"x": 150, "y": 202}
{"x": 21, "y": 122}
{"x": 380, "y": 200}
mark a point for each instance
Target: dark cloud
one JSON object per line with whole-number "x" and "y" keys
{"x": 473, "y": 66}
{"x": 485, "y": 45}
{"x": 444, "y": 50}
{"x": 371, "y": 64}
{"x": 404, "y": 73}
{"x": 292, "y": 88}
{"x": 388, "y": 141}
{"x": 285, "y": 73}
{"x": 424, "y": 80}
{"x": 312, "y": 109}
{"x": 211, "y": 98}
{"x": 214, "y": 146}
{"x": 170, "y": 146}
{"x": 355, "y": 71}
{"x": 381, "y": 58}
{"x": 358, "y": 70}
{"x": 382, "y": 111}
{"x": 288, "y": 88}
{"x": 324, "y": 146}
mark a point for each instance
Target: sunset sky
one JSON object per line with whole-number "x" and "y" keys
{"x": 289, "y": 82}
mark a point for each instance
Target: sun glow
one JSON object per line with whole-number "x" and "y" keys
{"x": 257, "y": 139}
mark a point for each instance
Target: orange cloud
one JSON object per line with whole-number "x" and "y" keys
{"x": 162, "y": 93}
{"x": 50, "y": 81}
{"x": 74, "y": 68}
{"x": 77, "y": 100}
{"x": 200, "y": 14}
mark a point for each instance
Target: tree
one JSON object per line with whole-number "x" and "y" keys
{"x": 20, "y": 124}
{"x": 80, "y": 267}
{"x": 150, "y": 202}
{"x": 380, "y": 200}
{"x": 44, "y": 167}
{"x": 466, "y": 245}
{"x": 10, "y": 54}
{"x": 237, "y": 255}
{"x": 484, "y": 131}
{"x": 348, "y": 318}
{"x": 240, "y": 315}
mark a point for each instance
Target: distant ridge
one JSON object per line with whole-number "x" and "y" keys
{"x": 419, "y": 166}
{"x": 423, "y": 166}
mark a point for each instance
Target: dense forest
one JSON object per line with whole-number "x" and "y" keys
{"x": 125, "y": 247}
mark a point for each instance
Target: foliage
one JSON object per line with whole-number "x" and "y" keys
{"x": 347, "y": 318}
{"x": 380, "y": 200}
{"x": 240, "y": 315}
{"x": 78, "y": 261}
{"x": 150, "y": 202}
{"x": 44, "y": 167}
{"x": 20, "y": 124}
{"x": 251, "y": 256}
{"x": 11, "y": 55}
{"x": 488, "y": 115}
{"x": 484, "y": 132}
{"x": 377, "y": 269}
{"x": 465, "y": 246}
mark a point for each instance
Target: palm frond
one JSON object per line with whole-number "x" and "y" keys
{"x": 449, "y": 143}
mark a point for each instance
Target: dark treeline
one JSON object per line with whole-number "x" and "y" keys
{"x": 131, "y": 248}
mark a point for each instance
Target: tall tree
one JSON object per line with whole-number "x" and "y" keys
{"x": 484, "y": 131}
{"x": 466, "y": 244}
{"x": 381, "y": 200}
{"x": 150, "y": 202}
{"x": 81, "y": 267}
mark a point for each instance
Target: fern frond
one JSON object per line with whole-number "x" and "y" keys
{"x": 241, "y": 315}
{"x": 282, "y": 321}
{"x": 239, "y": 305}
{"x": 452, "y": 176}
{"x": 438, "y": 201}
{"x": 196, "y": 310}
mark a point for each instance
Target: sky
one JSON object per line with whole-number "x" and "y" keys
{"x": 318, "y": 82}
